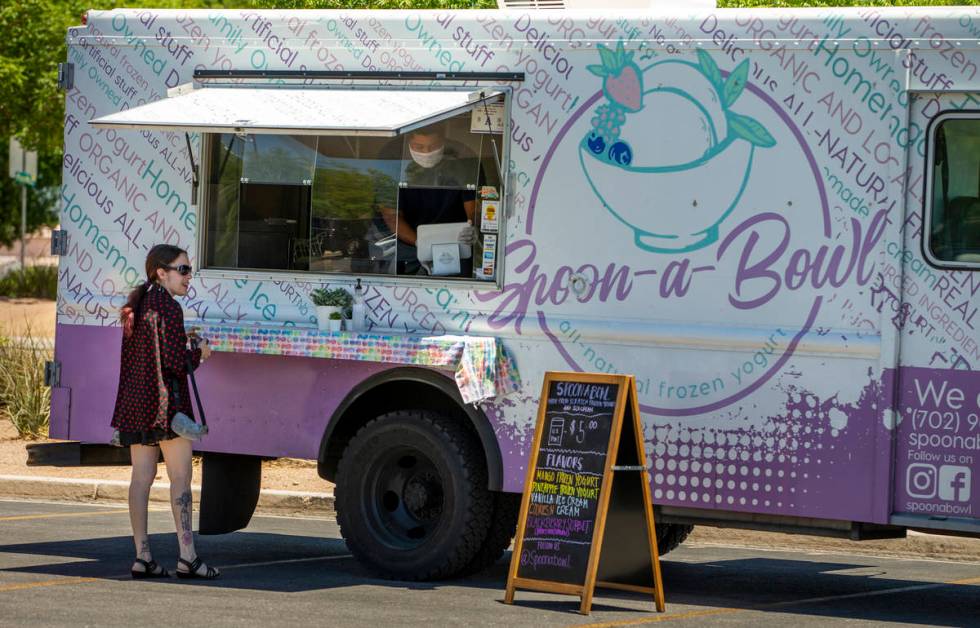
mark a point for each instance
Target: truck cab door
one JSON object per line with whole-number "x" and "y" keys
{"x": 936, "y": 403}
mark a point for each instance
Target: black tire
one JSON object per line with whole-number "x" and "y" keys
{"x": 503, "y": 526}
{"x": 670, "y": 535}
{"x": 411, "y": 496}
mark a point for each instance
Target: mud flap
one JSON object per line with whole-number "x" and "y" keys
{"x": 229, "y": 491}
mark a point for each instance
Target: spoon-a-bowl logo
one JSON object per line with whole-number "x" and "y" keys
{"x": 720, "y": 216}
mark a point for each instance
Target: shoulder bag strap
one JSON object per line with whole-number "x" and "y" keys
{"x": 197, "y": 397}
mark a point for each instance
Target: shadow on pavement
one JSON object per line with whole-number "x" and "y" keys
{"x": 303, "y": 563}
{"x": 821, "y": 589}
{"x": 767, "y": 585}
{"x": 833, "y": 590}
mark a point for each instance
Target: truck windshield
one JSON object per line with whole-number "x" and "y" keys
{"x": 955, "y": 213}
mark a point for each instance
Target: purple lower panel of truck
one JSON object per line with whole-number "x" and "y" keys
{"x": 255, "y": 404}
{"x": 280, "y": 406}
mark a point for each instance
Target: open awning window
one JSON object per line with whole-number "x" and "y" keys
{"x": 295, "y": 111}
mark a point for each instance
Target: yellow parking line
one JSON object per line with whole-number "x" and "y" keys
{"x": 965, "y": 581}
{"x": 658, "y": 618}
{"x": 63, "y": 514}
{"x": 44, "y": 583}
{"x": 762, "y": 607}
{"x": 286, "y": 561}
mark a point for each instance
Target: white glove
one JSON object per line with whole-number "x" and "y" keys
{"x": 467, "y": 235}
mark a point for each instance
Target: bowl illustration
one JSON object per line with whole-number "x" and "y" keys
{"x": 666, "y": 155}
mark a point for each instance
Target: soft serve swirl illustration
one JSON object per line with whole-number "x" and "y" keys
{"x": 669, "y": 130}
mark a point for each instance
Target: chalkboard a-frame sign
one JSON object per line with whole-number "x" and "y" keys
{"x": 586, "y": 517}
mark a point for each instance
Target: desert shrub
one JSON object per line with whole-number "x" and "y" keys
{"x": 24, "y": 398}
{"x": 40, "y": 282}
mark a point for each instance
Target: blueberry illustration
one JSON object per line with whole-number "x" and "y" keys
{"x": 621, "y": 153}
{"x": 596, "y": 144}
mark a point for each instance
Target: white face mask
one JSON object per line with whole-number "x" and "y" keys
{"x": 427, "y": 160}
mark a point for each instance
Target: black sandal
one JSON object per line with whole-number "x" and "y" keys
{"x": 192, "y": 568}
{"x": 151, "y": 568}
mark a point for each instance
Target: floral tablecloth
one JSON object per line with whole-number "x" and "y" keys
{"x": 483, "y": 368}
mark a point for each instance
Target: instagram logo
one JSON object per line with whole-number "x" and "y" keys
{"x": 921, "y": 481}
{"x": 954, "y": 483}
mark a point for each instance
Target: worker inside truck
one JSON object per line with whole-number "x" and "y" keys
{"x": 437, "y": 188}
{"x": 396, "y": 201}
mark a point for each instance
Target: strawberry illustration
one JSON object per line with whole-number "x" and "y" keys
{"x": 621, "y": 78}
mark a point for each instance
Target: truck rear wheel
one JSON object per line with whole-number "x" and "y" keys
{"x": 503, "y": 526}
{"x": 671, "y": 535}
{"x": 411, "y": 497}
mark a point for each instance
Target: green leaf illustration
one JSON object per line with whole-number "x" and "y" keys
{"x": 598, "y": 70}
{"x": 620, "y": 54}
{"x": 750, "y": 130}
{"x": 735, "y": 83}
{"x": 608, "y": 57}
{"x": 710, "y": 68}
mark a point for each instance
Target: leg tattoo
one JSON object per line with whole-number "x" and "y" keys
{"x": 145, "y": 549}
{"x": 185, "y": 502}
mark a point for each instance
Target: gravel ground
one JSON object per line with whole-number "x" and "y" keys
{"x": 17, "y": 316}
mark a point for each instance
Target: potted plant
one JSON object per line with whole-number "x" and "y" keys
{"x": 328, "y": 302}
{"x": 335, "y": 321}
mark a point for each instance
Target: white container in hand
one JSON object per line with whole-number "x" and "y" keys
{"x": 358, "y": 309}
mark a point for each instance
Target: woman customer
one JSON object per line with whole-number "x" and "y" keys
{"x": 152, "y": 389}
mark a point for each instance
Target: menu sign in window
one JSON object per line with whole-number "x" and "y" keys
{"x": 586, "y": 518}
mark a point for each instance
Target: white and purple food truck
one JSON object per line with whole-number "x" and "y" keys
{"x": 770, "y": 217}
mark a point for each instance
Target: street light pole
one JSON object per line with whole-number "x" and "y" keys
{"x": 23, "y": 170}
{"x": 23, "y": 222}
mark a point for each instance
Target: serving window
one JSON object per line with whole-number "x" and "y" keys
{"x": 953, "y": 192}
{"x": 423, "y": 201}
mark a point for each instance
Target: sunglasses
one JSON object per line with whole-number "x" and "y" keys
{"x": 183, "y": 269}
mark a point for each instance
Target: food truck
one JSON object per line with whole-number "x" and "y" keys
{"x": 770, "y": 217}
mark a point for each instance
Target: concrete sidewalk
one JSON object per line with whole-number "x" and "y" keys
{"x": 116, "y": 491}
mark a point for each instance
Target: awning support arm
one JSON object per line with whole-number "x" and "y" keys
{"x": 493, "y": 143}
{"x": 194, "y": 181}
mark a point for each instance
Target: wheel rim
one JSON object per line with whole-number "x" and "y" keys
{"x": 406, "y": 498}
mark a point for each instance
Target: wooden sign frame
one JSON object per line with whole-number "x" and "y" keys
{"x": 626, "y": 399}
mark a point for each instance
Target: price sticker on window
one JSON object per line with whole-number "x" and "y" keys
{"x": 489, "y": 212}
{"x": 487, "y": 118}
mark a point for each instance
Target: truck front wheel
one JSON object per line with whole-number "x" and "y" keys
{"x": 411, "y": 496}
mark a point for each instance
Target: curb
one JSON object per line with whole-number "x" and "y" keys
{"x": 319, "y": 504}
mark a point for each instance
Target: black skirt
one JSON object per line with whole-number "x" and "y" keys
{"x": 149, "y": 438}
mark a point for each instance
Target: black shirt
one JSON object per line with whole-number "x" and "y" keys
{"x": 436, "y": 195}
{"x": 432, "y": 206}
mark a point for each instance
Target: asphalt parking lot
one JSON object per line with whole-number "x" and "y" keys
{"x": 64, "y": 564}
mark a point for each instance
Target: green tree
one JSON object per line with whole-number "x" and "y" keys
{"x": 31, "y": 107}
{"x": 731, "y": 4}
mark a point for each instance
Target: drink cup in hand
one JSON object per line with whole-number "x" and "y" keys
{"x": 198, "y": 342}
{"x": 467, "y": 235}
{"x": 205, "y": 348}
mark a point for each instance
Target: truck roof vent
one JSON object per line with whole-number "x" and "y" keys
{"x": 605, "y": 4}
